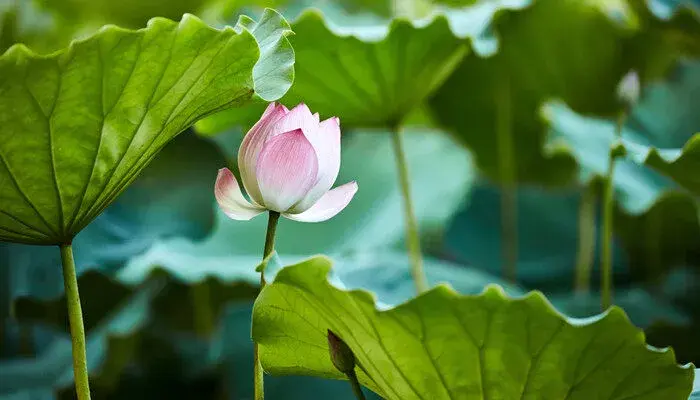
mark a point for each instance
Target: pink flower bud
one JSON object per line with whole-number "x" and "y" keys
{"x": 288, "y": 161}
{"x": 628, "y": 88}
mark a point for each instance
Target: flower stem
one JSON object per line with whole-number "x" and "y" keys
{"x": 75, "y": 317}
{"x": 258, "y": 373}
{"x": 607, "y": 233}
{"x": 507, "y": 173}
{"x": 356, "y": 388}
{"x": 412, "y": 236}
{"x": 586, "y": 239}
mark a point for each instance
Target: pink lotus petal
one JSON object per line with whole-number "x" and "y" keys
{"x": 326, "y": 142}
{"x": 287, "y": 168}
{"x": 329, "y": 205}
{"x": 231, "y": 201}
{"x": 251, "y": 146}
{"x": 299, "y": 117}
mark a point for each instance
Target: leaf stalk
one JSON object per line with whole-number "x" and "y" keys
{"x": 412, "y": 234}
{"x": 75, "y": 318}
{"x": 258, "y": 373}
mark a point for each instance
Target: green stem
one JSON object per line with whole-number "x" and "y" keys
{"x": 586, "y": 239}
{"x": 258, "y": 373}
{"x": 508, "y": 177}
{"x": 356, "y": 388}
{"x": 654, "y": 272}
{"x": 607, "y": 233}
{"x": 201, "y": 300}
{"x": 75, "y": 317}
{"x": 412, "y": 235}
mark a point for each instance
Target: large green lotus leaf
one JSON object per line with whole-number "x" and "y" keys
{"x": 570, "y": 50}
{"x": 513, "y": 347}
{"x": 80, "y": 124}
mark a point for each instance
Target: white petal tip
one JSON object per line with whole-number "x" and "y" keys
{"x": 230, "y": 198}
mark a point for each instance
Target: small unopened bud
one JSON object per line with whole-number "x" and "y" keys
{"x": 341, "y": 354}
{"x": 628, "y": 89}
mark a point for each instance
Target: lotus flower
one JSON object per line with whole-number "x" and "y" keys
{"x": 288, "y": 162}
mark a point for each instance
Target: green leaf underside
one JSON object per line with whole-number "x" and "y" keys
{"x": 442, "y": 345}
{"x": 540, "y": 57}
{"x": 80, "y": 124}
{"x": 370, "y": 82}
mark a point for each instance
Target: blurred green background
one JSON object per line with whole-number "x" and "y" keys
{"x": 167, "y": 281}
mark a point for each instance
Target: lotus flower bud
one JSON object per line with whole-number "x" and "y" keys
{"x": 628, "y": 89}
{"x": 341, "y": 355}
{"x": 288, "y": 162}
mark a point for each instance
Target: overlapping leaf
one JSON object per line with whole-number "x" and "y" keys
{"x": 370, "y": 77}
{"x": 594, "y": 137}
{"x": 514, "y": 348}
{"x": 79, "y": 125}
{"x": 571, "y": 50}
{"x": 51, "y": 370}
{"x": 212, "y": 298}
{"x": 373, "y": 71}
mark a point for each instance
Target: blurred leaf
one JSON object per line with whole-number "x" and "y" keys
{"x": 224, "y": 120}
{"x": 569, "y": 50}
{"x": 73, "y": 103}
{"x": 189, "y": 306}
{"x": 127, "y": 13}
{"x": 356, "y": 62}
{"x": 643, "y": 307}
{"x": 52, "y": 369}
{"x": 682, "y": 337}
{"x": 418, "y": 348}
{"x": 679, "y": 164}
{"x": 547, "y": 223}
{"x": 592, "y": 139}
{"x": 370, "y": 77}
{"x": 667, "y": 235}
{"x": 171, "y": 198}
{"x": 659, "y": 225}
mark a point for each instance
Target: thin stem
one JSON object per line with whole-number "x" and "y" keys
{"x": 356, "y": 388}
{"x": 653, "y": 227}
{"x": 258, "y": 373}
{"x": 412, "y": 235}
{"x": 203, "y": 317}
{"x": 607, "y": 233}
{"x": 508, "y": 177}
{"x": 586, "y": 239}
{"x": 75, "y": 317}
